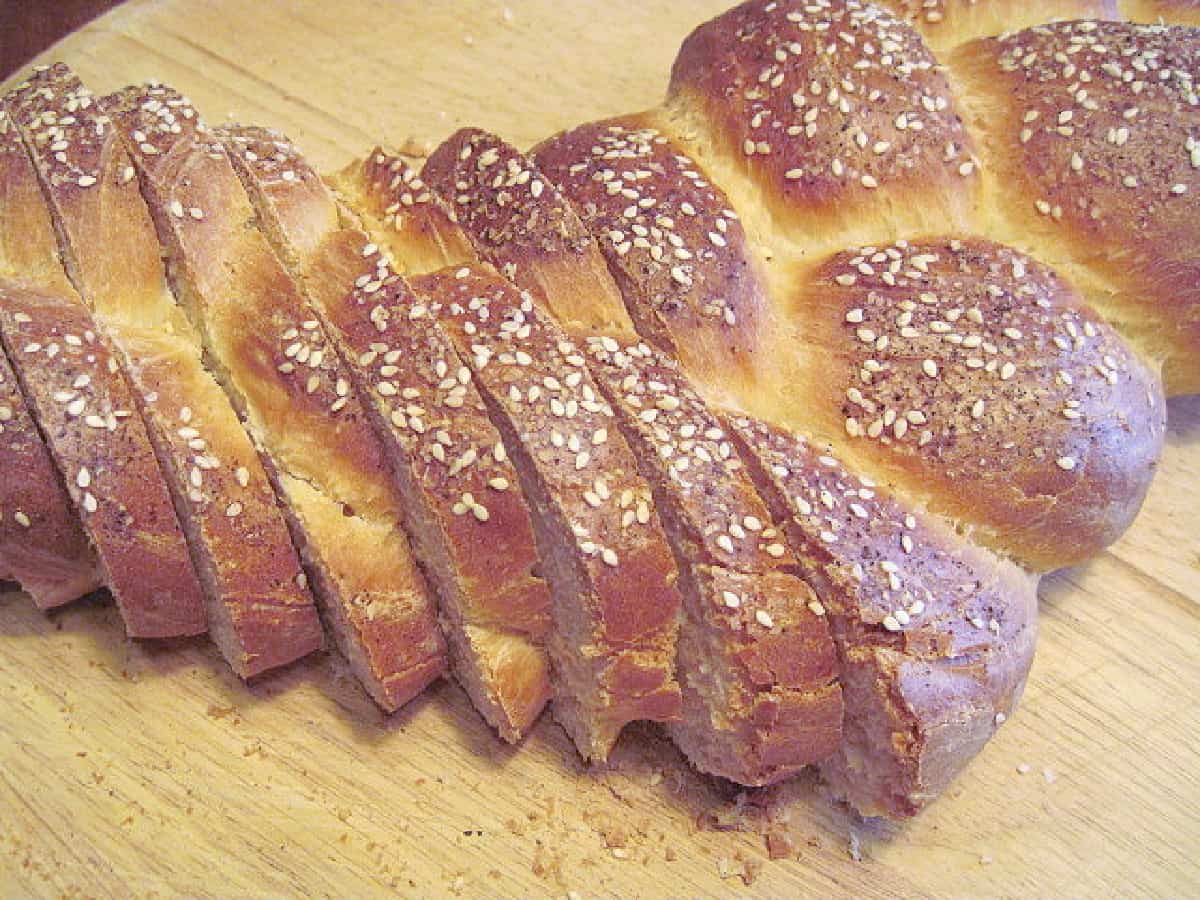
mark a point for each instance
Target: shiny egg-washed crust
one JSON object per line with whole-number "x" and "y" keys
{"x": 463, "y": 506}
{"x": 612, "y": 577}
{"x": 1172, "y": 12}
{"x": 837, "y": 112}
{"x": 979, "y": 382}
{"x": 42, "y": 546}
{"x": 387, "y": 192}
{"x": 935, "y": 636}
{"x": 946, "y": 23}
{"x": 279, "y": 368}
{"x": 756, "y": 663}
{"x": 85, "y": 413}
{"x": 952, "y": 365}
{"x": 259, "y": 614}
{"x": 521, "y": 223}
{"x": 673, "y": 245}
{"x": 1090, "y": 133}
{"x": 79, "y": 397}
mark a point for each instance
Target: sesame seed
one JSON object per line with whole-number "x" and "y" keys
{"x": 1066, "y": 463}
{"x": 610, "y": 557}
{"x": 764, "y": 618}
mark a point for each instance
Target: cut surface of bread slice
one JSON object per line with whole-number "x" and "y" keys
{"x": 42, "y": 545}
{"x": 273, "y": 359}
{"x": 85, "y": 413}
{"x": 260, "y": 613}
{"x": 935, "y": 635}
{"x": 463, "y": 506}
{"x": 612, "y": 577}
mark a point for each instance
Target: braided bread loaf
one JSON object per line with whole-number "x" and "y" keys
{"x": 787, "y": 388}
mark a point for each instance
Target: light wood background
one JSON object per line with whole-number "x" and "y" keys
{"x": 135, "y": 770}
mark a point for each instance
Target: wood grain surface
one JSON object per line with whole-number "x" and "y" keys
{"x": 150, "y": 770}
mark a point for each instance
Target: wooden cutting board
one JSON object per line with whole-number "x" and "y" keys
{"x": 151, "y": 770}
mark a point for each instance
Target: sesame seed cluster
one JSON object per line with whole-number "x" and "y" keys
{"x": 286, "y": 333}
{"x": 414, "y": 375}
{"x": 1105, "y": 123}
{"x": 503, "y": 200}
{"x": 954, "y": 346}
{"x": 76, "y": 389}
{"x": 658, "y": 219}
{"x": 540, "y": 378}
{"x": 67, "y": 129}
{"x": 716, "y": 506}
{"x": 897, "y": 575}
{"x": 827, "y": 98}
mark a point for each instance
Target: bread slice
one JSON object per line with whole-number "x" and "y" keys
{"x": 756, "y": 665}
{"x": 260, "y": 613}
{"x": 935, "y": 635}
{"x": 462, "y": 505}
{"x": 42, "y": 545}
{"x": 615, "y": 604}
{"x": 756, "y": 662}
{"x": 277, "y": 365}
{"x": 391, "y": 198}
{"x": 83, "y": 407}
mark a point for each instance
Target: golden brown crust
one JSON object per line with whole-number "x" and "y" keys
{"x": 978, "y": 380}
{"x": 387, "y": 191}
{"x": 463, "y": 506}
{"x": 1091, "y": 133}
{"x": 673, "y": 244}
{"x": 521, "y": 223}
{"x": 276, "y": 363}
{"x": 836, "y": 110}
{"x": 946, "y": 23}
{"x": 79, "y": 397}
{"x": 615, "y": 605}
{"x": 260, "y": 615}
{"x": 935, "y": 636}
{"x": 42, "y": 545}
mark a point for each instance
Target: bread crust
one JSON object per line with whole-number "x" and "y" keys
{"x": 42, "y": 545}
{"x": 389, "y": 193}
{"x": 521, "y": 223}
{"x": 275, "y": 362}
{"x": 426, "y": 411}
{"x": 935, "y": 636}
{"x": 673, "y": 244}
{"x": 260, "y": 614}
{"x": 978, "y": 381}
{"x": 615, "y": 605}
{"x": 1104, "y": 182}
{"x": 837, "y": 112}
